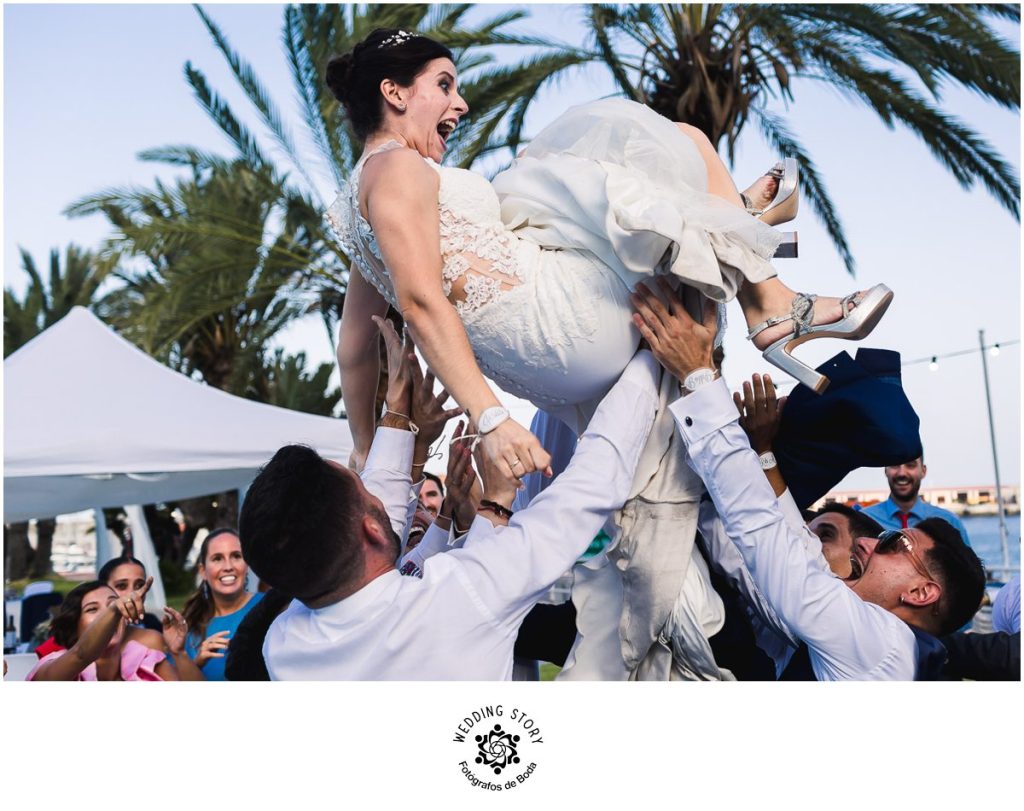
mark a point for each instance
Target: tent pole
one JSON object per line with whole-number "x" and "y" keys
{"x": 102, "y": 539}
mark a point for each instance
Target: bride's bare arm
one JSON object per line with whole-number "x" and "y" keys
{"x": 359, "y": 361}
{"x": 401, "y": 204}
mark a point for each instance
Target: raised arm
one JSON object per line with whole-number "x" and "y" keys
{"x": 401, "y": 205}
{"x": 94, "y": 639}
{"x": 359, "y": 362}
{"x": 510, "y": 568}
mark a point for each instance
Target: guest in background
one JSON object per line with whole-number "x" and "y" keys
{"x": 214, "y": 612}
{"x": 90, "y": 628}
{"x": 431, "y": 493}
{"x": 125, "y": 574}
{"x": 905, "y": 507}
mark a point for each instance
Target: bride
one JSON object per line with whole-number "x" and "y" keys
{"x": 529, "y": 280}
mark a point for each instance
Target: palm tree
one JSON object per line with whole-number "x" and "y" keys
{"x": 46, "y": 303}
{"x": 286, "y": 382}
{"x": 221, "y": 251}
{"x": 43, "y": 305}
{"x": 498, "y": 97}
{"x": 720, "y": 66}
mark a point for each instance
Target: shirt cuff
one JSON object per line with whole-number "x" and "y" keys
{"x": 704, "y": 411}
{"x": 392, "y": 449}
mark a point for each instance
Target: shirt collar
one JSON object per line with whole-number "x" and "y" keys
{"x": 895, "y": 509}
{"x": 354, "y": 607}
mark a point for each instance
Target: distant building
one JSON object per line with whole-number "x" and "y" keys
{"x": 972, "y": 500}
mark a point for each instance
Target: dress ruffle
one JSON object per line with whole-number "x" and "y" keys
{"x": 618, "y": 180}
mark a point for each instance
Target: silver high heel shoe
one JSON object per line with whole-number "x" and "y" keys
{"x": 786, "y": 201}
{"x": 868, "y": 309}
{"x": 784, "y": 204}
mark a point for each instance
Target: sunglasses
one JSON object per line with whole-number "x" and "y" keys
{"x": 893, "y": 542}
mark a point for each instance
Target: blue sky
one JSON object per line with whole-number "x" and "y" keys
{"x": 88, "y": 87}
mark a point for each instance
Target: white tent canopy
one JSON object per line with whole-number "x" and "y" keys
{"x": 91, "y": 421}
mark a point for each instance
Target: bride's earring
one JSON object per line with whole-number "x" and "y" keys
{"x": 401, "y": 108}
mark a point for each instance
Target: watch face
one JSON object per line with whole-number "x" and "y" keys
{"x": 698, "y": 379}
{"x": 492, "y": 418}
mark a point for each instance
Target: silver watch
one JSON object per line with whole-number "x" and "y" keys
{"x": 697, "y": 378}
{"x": 491, "y": 418}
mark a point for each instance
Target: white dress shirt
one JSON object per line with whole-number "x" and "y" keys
{"x": 847, "y": 638}
{"x": 771, "y": 634}
{"x": 459, "y": 621}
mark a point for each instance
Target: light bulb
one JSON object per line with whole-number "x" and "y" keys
{"x": 994, "y": 350}
{"x": 934, "y": 365}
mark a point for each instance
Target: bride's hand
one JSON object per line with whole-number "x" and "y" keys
{"x": 357, "y": 460}
{"x": 515, "y": 451}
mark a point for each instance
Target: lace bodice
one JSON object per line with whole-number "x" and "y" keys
{"x": 480, "y": 256}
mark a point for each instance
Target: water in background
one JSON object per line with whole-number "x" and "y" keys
{"x": 983, "y": 532}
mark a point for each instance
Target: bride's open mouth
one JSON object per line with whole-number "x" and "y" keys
{"x": 445, "y": 129}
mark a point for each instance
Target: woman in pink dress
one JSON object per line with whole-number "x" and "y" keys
{"x": 91, "y": 626}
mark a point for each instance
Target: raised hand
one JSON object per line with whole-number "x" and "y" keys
{"x": 213, "y": 647}
{"x": 500, "y": 479}
{"x": 399, "y": 367}
{"x": 511, "y": 451}
{"x": 428, "y": 411}
{"x": 463, "y": 490}
{"x": 760, "y": 412}
{"x": 131, "y": 606}
{"x": 175, "y": 630}
{"x": 679, "y": 343}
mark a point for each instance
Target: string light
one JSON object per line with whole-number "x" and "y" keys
{"x": 931, "y": 360}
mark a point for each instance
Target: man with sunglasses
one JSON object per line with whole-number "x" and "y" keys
{"x": 916, "y": 585}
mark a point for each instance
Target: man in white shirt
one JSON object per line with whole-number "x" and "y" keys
{"x": 310, "y": 528}
{"x": 915, "y": 585}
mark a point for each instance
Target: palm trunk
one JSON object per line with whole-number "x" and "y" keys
{"x": 17, "y": 551}
{"x": 42, "y": 565}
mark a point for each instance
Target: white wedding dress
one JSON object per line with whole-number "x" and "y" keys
{"x": 540, "y": 264}
{"x": 544, "y": 258}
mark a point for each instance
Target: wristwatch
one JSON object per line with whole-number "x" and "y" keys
{"x": 697, "y": 378}
{"x": 491, "y": 418}
{"x": 767, "y": 460}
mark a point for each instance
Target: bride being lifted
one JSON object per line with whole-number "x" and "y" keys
{"x": 529, "y": 279}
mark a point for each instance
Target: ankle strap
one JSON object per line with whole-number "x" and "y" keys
{"x": 801, "y": 313}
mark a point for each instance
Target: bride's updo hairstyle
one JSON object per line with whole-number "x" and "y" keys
{"x": 386, "y": 53}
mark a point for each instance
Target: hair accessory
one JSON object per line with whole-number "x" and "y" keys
{"x": 396, "y": 39}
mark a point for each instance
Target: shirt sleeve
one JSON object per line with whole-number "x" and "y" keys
{"x": 387, "y": 473}
{"x": 434, "y": 541}
{"x": 848, "y": 638}
{"x": 508, "y": 570}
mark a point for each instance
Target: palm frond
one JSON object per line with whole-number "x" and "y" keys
{"x": 219, "y": 111}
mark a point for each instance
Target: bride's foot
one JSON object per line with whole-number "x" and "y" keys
{"x": 760, "y": 195}
{"x": 850, "y": 318}
{"x": 824, "y": 310}
{"x": 775, "y": 196}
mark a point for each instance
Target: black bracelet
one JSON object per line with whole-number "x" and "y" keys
{"x": 495, "y": 507}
